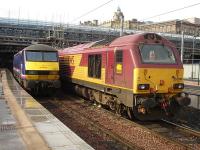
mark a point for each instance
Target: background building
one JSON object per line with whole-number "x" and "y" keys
{"x": 190, "y": 26}
{"x": 116, "y": 21}
{"x": 90, "y": 23}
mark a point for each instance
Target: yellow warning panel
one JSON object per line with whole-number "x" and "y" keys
{"x": 119, "y": 68}
{"x": 31, "y": 103}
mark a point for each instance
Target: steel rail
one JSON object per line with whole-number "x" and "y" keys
{"x": 184, "y": 127}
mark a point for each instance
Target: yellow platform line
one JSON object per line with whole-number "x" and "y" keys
{"x": 28, "y": 132}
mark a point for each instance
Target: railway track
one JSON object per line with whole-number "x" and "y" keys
{"x": 124, "y": 132}
{"x": 184, "y": 127}
{"x": 125, "y": 144}
{"x": 102, "y": 138}
{"x": 185, "y": 136}
{"x": 182, "y": 134}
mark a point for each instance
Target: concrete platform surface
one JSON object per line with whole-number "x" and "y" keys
{"x": 18, "y": 128}
{"x": 9, "y": 137}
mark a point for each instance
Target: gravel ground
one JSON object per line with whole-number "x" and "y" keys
{"x": 80, "y": 126}
{"x": 130, "y": 131}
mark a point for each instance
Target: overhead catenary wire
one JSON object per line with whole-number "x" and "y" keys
{"x": 171, "y": 11}
{"x": 165, "y": 13}
{"x": 85, "y": 14}
{"x": 178, "y": 9}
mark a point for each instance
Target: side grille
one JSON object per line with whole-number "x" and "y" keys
{"x": 38, "y": 72}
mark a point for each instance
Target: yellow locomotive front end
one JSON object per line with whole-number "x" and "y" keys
{"x": 158, "y": 82}
{"x": 41, "y": 68}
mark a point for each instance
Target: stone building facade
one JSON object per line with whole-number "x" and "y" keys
{"x": 190, "y": 26}
{"x": 116, "y": 21}
{"x": 173, "y": 26}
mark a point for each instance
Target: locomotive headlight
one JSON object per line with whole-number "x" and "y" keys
{"x": 31, "y": 72}
{"x": 178, "y": 86}
{"x": 143, "y": 86}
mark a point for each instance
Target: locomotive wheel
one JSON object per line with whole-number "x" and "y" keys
{"x": 152, "y": 115}
{"x": 36, "y": 90}
{"x": 112, "y": 105}
{"x": 120, "y": 109}
{"x": 130, "y": 113}
{"x": 174, "y": 108}
{"x": 21, "y": 82}
{"x": 91, "y": 96}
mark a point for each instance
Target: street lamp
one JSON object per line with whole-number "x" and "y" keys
{"x": 193, "y": 42}
{"x": 182, "y": 45}
{"x": 122, "y": 24}
{"x": 182, "y": 41}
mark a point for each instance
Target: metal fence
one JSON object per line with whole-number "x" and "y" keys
{"x": 192, "y": 71}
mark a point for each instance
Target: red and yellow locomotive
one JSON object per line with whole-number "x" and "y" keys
{"x": 140, "y": 74}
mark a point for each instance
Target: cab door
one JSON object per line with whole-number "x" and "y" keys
{"x": 114, "y": 69}
{"x": 110, "y": 67}
{"x": 119, "y": 68}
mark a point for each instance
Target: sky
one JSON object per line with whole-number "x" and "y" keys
{"x": 69, "y": 11}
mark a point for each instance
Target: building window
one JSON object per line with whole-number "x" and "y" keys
{"x": 119, "y": 61}
{"x": 94, "y": 66}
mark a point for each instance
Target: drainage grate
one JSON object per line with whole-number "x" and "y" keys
{"x": 6, "y": 127}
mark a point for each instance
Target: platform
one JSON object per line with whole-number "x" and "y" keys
{"x": 26, "y": 124}
{"x": 192, "y": 87}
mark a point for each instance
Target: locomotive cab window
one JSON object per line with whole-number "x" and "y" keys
{"x": 41, "y": 56}
{"x": 157, "y": 53}
{"x": 94, "y": 66}
{"x": 119, "y": 61}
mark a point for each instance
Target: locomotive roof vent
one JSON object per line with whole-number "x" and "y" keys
{"x": 152, "y": 36}
{"x": 102, "y": 42}
{"x": 40, "y": 47}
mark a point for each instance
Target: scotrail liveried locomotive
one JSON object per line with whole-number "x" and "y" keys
{"x": 37, "y": 67}
{"x": 139, "y": 74}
